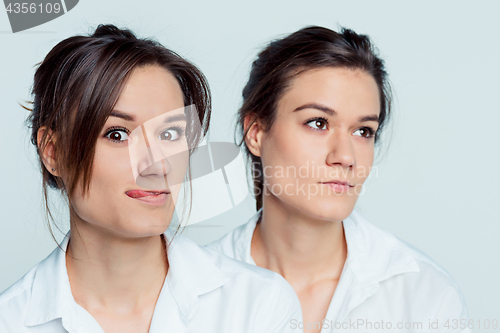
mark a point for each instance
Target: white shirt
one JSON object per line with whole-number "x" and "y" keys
{"x": 204, "y": 291}
{"x": 385, "y": 282}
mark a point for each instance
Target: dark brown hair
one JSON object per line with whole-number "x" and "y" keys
{"x": 308, "y": 48}
{"x": 77, "y": 85}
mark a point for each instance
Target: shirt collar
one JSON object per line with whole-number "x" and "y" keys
{"x": 373, "y": 254}
{"x": 191, "y": 274}
{"x": 51, "y": 289}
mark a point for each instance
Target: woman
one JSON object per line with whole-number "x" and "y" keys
{"x": 313, "y": 109}
{"x": 115, "y": 119}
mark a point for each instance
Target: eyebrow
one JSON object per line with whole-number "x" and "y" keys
{"x": 122, "y": 115}
{"x": 317, "y": 107}
{"x": 177, "y": 117}
{"x": 332, "y": 112}
{"x": 127, "y": 117}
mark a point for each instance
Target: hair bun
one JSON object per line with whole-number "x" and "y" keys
{"x": 110, "y": 30}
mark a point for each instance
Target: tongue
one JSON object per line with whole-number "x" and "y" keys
{"x": 140, "y": 193}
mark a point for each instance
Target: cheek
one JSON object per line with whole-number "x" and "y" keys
{"x": 110, "y": 176}
{"x": 287, "y": 146}
{"x": 176, "y": 178}
{"x": 112, "y": 167}
{"x": 364, "y": 161}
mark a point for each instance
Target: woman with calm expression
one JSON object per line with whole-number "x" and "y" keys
{"x": 115, "y": 119}
{"x": 313, "y": 110}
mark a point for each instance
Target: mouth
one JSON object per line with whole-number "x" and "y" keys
{"x": 338, "y": 185}
{"x": 152, "y": 197}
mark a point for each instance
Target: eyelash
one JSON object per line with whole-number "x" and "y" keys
{"x": 371, "y": 131}
{"x": 324, "y": 120}
{"x": 180, "y": 132}
{"x": 116, "y": 129}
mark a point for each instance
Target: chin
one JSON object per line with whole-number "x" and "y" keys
{"x": 144, "y": 232}
{"x": 327, "y": 208}
{"x": 143, "y": 227}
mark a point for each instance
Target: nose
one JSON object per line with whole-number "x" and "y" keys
{"x": 152, "y": 160}
{"x": 158, "y": 169}
{"x": 149, "y": 164}
{"x": 341, "y": 151}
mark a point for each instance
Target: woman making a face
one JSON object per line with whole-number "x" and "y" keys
{"x": 313, "y": 109}
{"x": 115, "y": 119}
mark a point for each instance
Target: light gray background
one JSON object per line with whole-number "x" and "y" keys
{"x": 437, "y": 184}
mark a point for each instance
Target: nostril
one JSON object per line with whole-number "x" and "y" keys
{"x": 159, "y": 169}
{"x": 150, "y": 170}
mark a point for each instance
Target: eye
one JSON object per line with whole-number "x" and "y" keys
{"x": 318, "y": 123}
{"x": 365, "y": 132}
{"x": 171, "y": 134}
{"x": 117, "y": 134}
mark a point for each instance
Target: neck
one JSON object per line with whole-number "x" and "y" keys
{"x": 301, "y": 248}
{"x": 107, "y": 271}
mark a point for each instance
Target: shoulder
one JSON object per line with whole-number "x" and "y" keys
{"x": 379, "y": 241}
{"x": 434, "y": 281}
{"x": 265, "y": 295}
{"x": 14, "y": 302}
{"x": 236, "y": 243}
{"x": 425, "y": 263}
{"x": 408, "y": 273}
{"x": 201, "y": 257}
{"x": 226, "y": 244}
{"x": 20, "y": 289}
{"x": 431, "y": 293}
{"x": 235, "y": 267}
{"x": 431, "y": 277}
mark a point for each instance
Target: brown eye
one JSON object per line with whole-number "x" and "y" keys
{"x": 365, "y": 132}
{"x": 117, "y": 135}
{"x": 166, "y": 136}
{"x": 317, "y": 124}
{"x": 171, "y": 134}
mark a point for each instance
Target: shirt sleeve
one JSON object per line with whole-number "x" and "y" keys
{"x": 453, "y": 315}
{"x": 284, "y": 311}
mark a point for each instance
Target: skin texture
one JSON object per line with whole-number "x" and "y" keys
{"x": 116, "y": 258}
{"x": 301, "y": 235}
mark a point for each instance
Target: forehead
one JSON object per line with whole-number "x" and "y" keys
{"x": 150, "y": 91}
{"x": 351, "y": 91}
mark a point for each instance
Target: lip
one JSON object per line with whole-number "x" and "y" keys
{"x": 151, "y": 197}
{"x": 338, "y": 185}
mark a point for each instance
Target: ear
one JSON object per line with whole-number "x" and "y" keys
{"x": 48, "y": 146}
{"x": 254, "y": 133}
